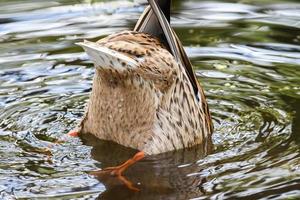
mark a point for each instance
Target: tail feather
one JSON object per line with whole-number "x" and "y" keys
{"x": 154, "y": 22}
{"x": 148, "y": 22}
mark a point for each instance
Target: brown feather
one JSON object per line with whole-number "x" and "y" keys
{"x": 154, "y": 22}
{"x": 146, "y": 96}
{"x": 149, "y": 23}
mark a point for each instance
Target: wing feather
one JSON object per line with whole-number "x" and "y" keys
{"x": 104, "y": 57}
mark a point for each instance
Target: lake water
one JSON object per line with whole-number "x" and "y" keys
{"x": 246, "y": 55}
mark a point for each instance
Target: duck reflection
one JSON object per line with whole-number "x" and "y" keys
{"x": 170, "y": 175}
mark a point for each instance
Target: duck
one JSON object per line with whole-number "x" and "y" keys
{"x": 145, "y": 94}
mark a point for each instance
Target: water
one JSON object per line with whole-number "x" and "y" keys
{"x": 246, "y": 55}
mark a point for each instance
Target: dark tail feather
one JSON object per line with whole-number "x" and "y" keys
{"x": 154, "y": 22}
{"x": 165, "y": 6}
{"x": 148, "y": 22}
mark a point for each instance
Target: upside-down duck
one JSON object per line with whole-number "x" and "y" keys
{"x": 145, "y": 94}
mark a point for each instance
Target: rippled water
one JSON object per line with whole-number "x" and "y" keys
{"x": 246, "y": 55}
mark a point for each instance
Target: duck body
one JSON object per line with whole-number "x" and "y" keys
{"x": 142, "y": 97}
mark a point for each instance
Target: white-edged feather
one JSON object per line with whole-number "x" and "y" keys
{"x": 106, "y": 58}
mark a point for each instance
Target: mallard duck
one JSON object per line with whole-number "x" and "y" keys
{"x": 145, "y": 94}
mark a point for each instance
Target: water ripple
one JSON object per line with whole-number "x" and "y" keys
{"x": 247, "y": 58}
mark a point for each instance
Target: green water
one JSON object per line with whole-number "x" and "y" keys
{"x": 247, "y": 57}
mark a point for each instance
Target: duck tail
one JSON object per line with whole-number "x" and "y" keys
{"x": 156, "y": 21}
{"x": 148, "y": 22}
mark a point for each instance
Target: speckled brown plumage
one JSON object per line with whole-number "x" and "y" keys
{"x": 142, "y": 97}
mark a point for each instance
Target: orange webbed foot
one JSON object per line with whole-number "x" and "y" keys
{"x": 118, "y": 170}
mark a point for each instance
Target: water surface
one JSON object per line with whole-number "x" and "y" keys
{"x": 246, "y": 55}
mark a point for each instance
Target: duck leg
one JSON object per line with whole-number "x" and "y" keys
{"x": 118, "y": 170}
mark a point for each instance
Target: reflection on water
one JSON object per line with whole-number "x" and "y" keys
{"x": 172, "y": 175}
{"x": 246, "y": 55}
